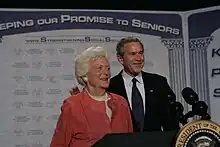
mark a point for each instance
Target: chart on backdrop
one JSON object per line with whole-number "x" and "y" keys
{"x": 40, "y": 73}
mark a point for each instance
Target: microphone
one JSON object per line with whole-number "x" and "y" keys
{"x": 189, "y": 95}
{"x": 199, "y": 108}
{"x": 171, "y": 97}
{"x": 176, "y": 108}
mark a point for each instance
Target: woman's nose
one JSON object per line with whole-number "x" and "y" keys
{"x": 106, "y": 72}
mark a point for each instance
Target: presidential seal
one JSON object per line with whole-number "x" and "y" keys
{"x": 199, "y": 133}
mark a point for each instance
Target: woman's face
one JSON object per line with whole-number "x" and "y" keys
{"x": 99, "y": 73}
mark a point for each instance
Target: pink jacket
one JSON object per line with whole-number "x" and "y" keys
{"x": 83, "y": 120}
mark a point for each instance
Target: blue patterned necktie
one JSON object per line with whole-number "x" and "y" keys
{"x": 137, "y": 106}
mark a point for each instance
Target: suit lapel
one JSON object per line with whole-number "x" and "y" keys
{"x": 147, "y": 84}
{"x": 146, "y": 81}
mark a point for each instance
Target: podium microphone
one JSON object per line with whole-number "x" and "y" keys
{"x": 171, "y": 97}
{"x": 190, "y": 96}
{"x": 198, "y": 107}
{"x": 176, "y": 108}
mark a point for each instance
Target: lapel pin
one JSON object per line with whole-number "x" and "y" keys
{"x": 151, "y": 90}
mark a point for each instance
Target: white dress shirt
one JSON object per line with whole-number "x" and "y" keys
{"x": 128, "y": 86}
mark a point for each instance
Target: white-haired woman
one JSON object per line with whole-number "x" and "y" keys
{"x": 87, "y": 116}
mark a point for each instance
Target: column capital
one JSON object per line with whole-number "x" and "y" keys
{"x": 200, "y": 43}
{"x": 173, "y": 43}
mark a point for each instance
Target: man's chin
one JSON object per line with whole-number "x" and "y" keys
{"x": 105, "y": 86}
{"x": 137, "y": 71}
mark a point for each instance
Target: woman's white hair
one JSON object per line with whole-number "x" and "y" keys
{"x": 81, "y": 62}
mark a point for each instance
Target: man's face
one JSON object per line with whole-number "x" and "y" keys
{"x": 133, "y": 58}
{"x": 99, "y": 73}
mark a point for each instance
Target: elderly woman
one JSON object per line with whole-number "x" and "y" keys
{"x": 87, "y": 116}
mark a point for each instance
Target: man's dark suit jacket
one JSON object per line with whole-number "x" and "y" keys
{"x": 157, "y": 110}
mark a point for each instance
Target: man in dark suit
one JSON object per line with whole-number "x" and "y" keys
{"x": 147, "y": 94}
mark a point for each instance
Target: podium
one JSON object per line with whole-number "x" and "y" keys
{"x": 196, "y": 133}
{"x": 138, "y": 139}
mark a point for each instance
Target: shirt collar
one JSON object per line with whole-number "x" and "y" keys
{"x": 128, "y": 78}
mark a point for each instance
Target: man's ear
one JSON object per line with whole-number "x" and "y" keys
{"x": 120, "y": 59}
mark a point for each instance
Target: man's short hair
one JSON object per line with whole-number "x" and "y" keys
{"x": 123, "y": 41}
